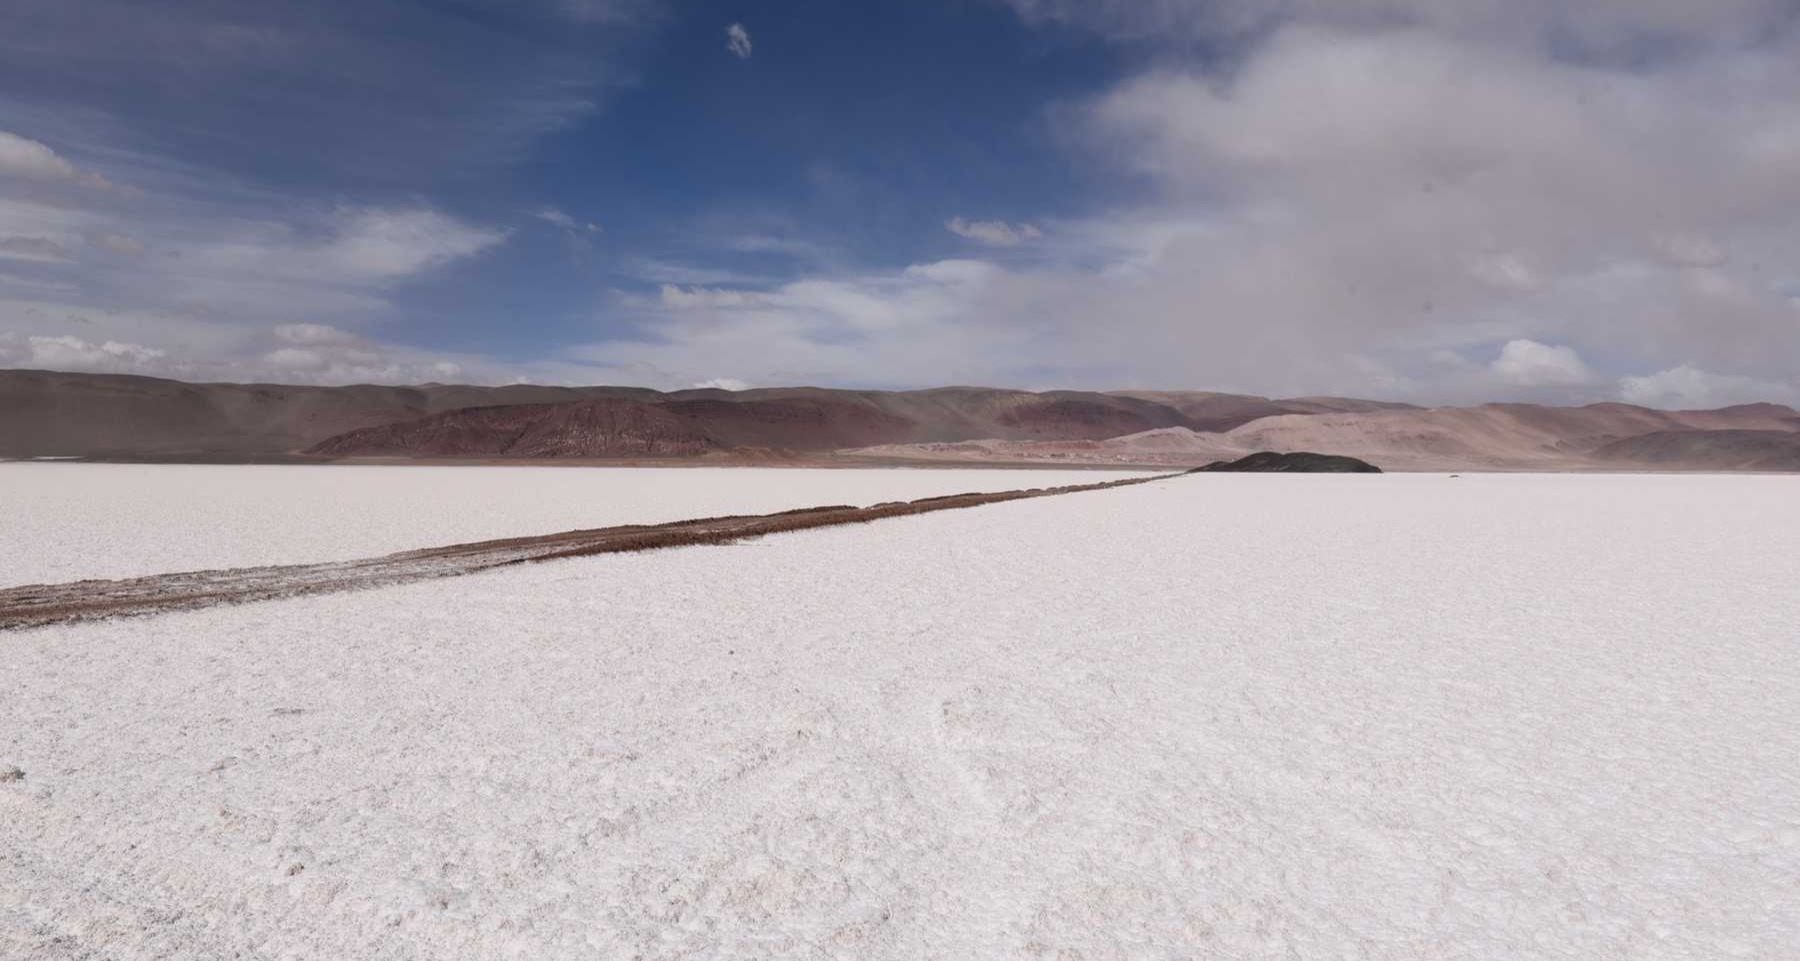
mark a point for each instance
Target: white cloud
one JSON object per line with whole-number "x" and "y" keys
{"x": 1390, "y": 190}
{"x": 198, "y": 276}
{"x": 313, "y": 335}
{"x": 320, "y": 353}
{"x": 1527, "y": 363}
{"x": 341, "y": 264}
{"x": 1687, "y": 386}
{"x": 41, "y": 250}
{"x": 73, "y": 353}
{"x": 560, "y": 218}
{"x": 676, "y": 297}
{"x": 737, "y": 40}
{"x": 994, "y": 233}
{"x": 383, "y": 243}
{"x": 20, "y": 157}
{"x": 1507, "y": 271}
{"x": 60, "y": 335}
{"x": 914, "y": 326}
{"x": 30, "y": 159}
{"x": 722, "y": 383}
{"x": 294, "y": 358}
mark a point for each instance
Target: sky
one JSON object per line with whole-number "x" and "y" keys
{"x": 1435, "y": 201}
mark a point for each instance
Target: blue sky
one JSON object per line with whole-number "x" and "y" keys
{"x": 1438, "y": 202}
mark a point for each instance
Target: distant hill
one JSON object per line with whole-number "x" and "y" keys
{"x": 1721, "y": 450}
{"x": 45, "y": 413}
{"x": 1496, "y": 436}
{"x": 1489, "y": 437}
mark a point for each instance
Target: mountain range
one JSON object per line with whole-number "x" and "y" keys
{"x": 105, "y": 416}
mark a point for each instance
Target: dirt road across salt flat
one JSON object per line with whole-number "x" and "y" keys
{"x": 42, "y": 604}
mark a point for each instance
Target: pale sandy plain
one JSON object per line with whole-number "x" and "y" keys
{"x": 1228, "y": 716}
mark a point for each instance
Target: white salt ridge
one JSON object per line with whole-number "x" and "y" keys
{"x": 1230, "y": 716}
{"x": 66, "y": 522}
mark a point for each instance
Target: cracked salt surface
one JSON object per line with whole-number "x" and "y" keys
{"x": 66, "y": 522}
{"x": 1214, "y": 717}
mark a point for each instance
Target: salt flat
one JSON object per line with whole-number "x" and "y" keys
{"x": 64, "y": 522}
{"x": 1230, "y": 716}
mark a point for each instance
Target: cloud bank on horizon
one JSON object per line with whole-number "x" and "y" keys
{"x": 1433, "y": 202}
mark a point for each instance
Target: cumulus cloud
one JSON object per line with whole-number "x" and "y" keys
{"x": 1687, "y": 386}
{"x": 321, "y": 353}
{"x": 1527, "y": 363}
{"x": 168, "y": 345}
{"x": 994, "y": 233}
{"x": 722, "y": 383}
{"x": 1386, "y": 186}
{"x": 1358, "y": 192}
{"x": 914, "y": 326}
{"x": 737, "y": 40}
{"x": 73, "y": 353}
{"x": 30, "y": 159}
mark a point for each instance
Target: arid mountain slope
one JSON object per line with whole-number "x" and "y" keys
{"x": 1492, "y": 437}
{"x": 606, "y": 427}
{"x": 1500, "y": 436}
{"x": 1720, "y": 450}
{"x": 52, "y": 414}
{"x": 1221, "y": 412}
{"x": 44, "y": 413}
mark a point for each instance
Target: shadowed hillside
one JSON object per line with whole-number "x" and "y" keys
{"x": 1723, "y": 450}
{"x": 53, "y": 414}
{"x": 44, "y": 413}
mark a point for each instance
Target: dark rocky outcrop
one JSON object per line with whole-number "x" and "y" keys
{"x": 1299, "y": 462}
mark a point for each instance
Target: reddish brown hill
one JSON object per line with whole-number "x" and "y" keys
{"x": 1493, "y": 436}
{"x": 1207, "y": 411}
{"x": 44, "y": 413}
{"x": 1718, "y": 450}
{"x": 1067, "y": 416}
{"x": 47, "y": 413}
{"x": 608, "y": 427}
{"x": 1503, "y": 436}
{"x": 800, "y": 423}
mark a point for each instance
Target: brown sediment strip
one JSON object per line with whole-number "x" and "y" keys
{"x": 38, "y": 605}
